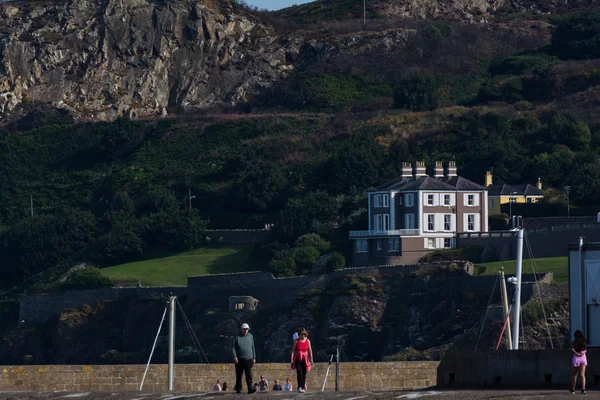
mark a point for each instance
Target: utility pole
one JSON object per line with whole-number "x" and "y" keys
{"x": 504, "y": 293}
{"x": 568, "y": 188}
{"x": 190, "y": 197}
{"x": 364, "y": 14}
{"x": 31, "y": 203}
{"x": 171, "y": 340}
{"x": 517, "y": 310}
{"x": 337, "y": 367}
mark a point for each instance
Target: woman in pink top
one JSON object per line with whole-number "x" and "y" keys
{"x": 302, "y": 356}
{"x": 579, "y": 348}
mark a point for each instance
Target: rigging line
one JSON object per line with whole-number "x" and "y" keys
{"x": 486, "y": 312}
{"x": 154, "y": 346}
{"x": 537, "y": 285}
{"x": 195, "y": 340}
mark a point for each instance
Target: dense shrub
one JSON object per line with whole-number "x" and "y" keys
{"x": 577, "y": 35}
{"x": 283, "y": 267}
{"x": 313, "y": 240}
{"x": 89, "y": 278}
{"x": 305, "y": 258}
{"x": 520, "y": 64}
{"x": 470, "y": 253}
{"x": 335, "y": 262}
{"x": 418, "y": 92}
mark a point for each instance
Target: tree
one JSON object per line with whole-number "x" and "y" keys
{"x": 335, "y": 262}
{"x": 304, "y": 258}
{"x": 577, "y": 35}
{"x": 42, "y": 241}
{"x": 418, "y": 92}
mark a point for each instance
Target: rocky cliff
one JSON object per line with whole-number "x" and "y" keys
{"x": 416, "y": 315}
{"x": 134, "y": 57}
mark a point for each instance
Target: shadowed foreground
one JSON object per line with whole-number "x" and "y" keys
{"x": 424, "y": 394}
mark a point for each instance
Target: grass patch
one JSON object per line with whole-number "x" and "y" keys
{"x": 557, "y": 265}
{"x": 174, "y": 270}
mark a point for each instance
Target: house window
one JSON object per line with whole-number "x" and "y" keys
{"x": 379, "y": 244}
{"x": 394, "y": 244}
{"x": 491, "y": 203}
{"x": 471, "y": 199}
{"x": 399, "y": 200}
{"x": 377, "y": 200}
{"x": 386, "y": 222}
{"x": 429, "y": 199}
{"x": 409, "y": 200}
{"x": 409, "y": 221}
{"x": 378, "y": 222}
{"x": 446, "y": 199}
{"x": 431, "y": 243}
{"x": 447, "y": 243}
{"x": 447, "y": 222}
{"x": 386, "y": 200}
{"x": 361, "y": 245}
{"x": 529, "y": 200}
{"x": 431, "y": 222}
{"x": 239, "y": 306}
{"x": 471, "y": 222}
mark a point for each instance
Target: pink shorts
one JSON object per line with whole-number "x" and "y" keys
{"x": 578, "y": 361}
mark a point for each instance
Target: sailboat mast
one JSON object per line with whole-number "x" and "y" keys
{"x": 517, "y": 310}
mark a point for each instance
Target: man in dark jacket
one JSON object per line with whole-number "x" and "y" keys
{"x": 244, "y": 357}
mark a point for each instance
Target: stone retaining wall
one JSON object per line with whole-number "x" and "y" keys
{"x": 522, "y": 368}
{"x": 200, "y": 377}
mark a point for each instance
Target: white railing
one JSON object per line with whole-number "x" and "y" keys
{"x": 395, "y": 232}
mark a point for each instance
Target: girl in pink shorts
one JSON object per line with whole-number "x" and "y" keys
{"x": 579, "y": 349}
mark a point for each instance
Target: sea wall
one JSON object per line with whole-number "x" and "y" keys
{"x": 202, "y": 377}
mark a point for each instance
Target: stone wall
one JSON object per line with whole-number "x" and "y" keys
{"x": 38, "y": 308}
{"x": 522, "y": 368}
{"x": 238, "y": 236}
{"x": 550, "y": 242}
{"x": 201, "y": 377}
{"x": 214, "y": 291}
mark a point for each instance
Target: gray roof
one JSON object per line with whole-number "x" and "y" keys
{"x": 524, "y": 189}
{"x": 427, "y": 183}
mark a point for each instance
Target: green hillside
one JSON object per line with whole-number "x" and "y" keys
{"x": 174, "y": 270}
{"x": 557, "y": 265}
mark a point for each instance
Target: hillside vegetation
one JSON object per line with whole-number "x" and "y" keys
{"x": 521, "y": 98}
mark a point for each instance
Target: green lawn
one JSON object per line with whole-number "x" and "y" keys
{"x": 557, "y": 265}
{"x": 174, "y": 270}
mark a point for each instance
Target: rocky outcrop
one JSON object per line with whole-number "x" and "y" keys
{"x": 458, "y": 10}
{"x": 134, "y": 57}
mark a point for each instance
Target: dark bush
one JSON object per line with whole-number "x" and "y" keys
{"x": 577, "y": 35}
{"x": 304, "y": 258}
{"x": 313, "y": 240}
{"x": 471, "y": 253}
{"x": 90, "y": 278}
{"x": 335, "y": 262}
{"x": 520, "y": 64}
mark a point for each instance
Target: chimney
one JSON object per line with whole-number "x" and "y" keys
{"x": 407, "y": 171}
{"x": 451, "y": 169}
{"x": 420, "y": 169}
{"x": 488, "y": 178}
{"x": 439, "y": 170}
{"x": 539, "y": 184}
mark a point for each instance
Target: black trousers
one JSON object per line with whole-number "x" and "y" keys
{"x": 243, "y": 366}
{"x": 301, "y": 373}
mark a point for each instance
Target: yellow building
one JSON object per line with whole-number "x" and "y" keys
{"x": 503, "y": 193}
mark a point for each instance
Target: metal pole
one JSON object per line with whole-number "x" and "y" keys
{"x": 171, "y": 340}
{"x": 517, "y": 309}
{"x": 504, "y": 293}
{"x": 153, "y": 347}
{"x": 364, "y": 14}
{"x": 31, "y": 203}
{"x": 337, "y": 368}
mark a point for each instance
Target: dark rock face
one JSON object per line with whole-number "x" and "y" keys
{"x": 416, "y": 315}
{"x": 134, "y": 57}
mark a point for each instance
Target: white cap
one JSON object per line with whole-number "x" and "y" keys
{"x": 295, "y": 336}
{"x": 245, "y": 326}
